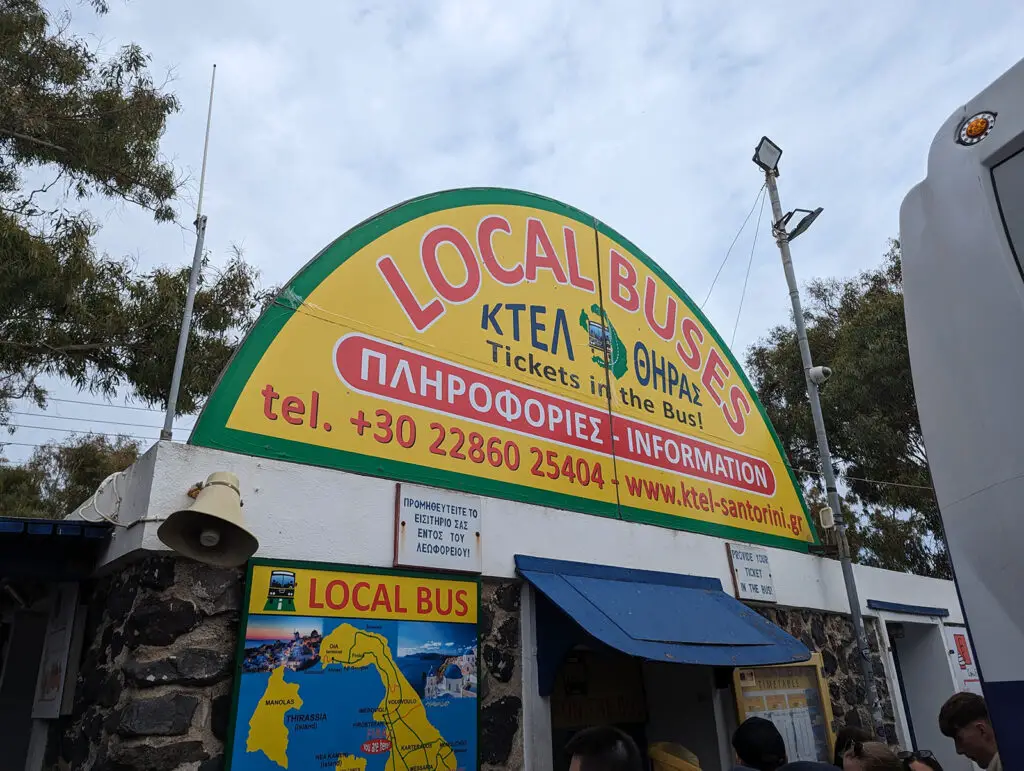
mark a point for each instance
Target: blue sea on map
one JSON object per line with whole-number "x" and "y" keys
{"x": 348, "y": 697}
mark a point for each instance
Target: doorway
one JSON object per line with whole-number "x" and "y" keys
{"x": 650, "y": 701}
{"x": 922, "y": 672}
{"x": 22, "y": 651}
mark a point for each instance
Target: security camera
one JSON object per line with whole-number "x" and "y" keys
{"x": 820, "y": 374}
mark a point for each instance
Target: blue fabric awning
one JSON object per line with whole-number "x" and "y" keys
{"x": 47, "y": 549}
{"x": 655, "y": 616}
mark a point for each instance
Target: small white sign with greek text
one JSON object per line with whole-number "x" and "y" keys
{"x": 752, "y": 573}
{"x": 438, "y": 529}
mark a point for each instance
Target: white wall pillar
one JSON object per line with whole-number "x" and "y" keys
{"x": 536, "y": 710}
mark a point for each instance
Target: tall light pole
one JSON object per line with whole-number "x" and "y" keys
{"x": 766, "y": 156}
{"x": 167, "y": 432}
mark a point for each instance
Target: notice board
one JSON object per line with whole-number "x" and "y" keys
{"x": 795, "y": 698}
{"x": 965, "y": 668}
{"x": 355, "y": 669}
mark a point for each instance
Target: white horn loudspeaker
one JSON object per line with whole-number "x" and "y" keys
{"x": 212, "y": 529}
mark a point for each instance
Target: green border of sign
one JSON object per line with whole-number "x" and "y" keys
{"x": 211, "y": 428}
{"x": 229, "y": 740}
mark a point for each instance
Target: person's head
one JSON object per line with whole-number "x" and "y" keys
{"x": 845, "y": 737}
{"x": 759, "y": 744}
{"x": 603, "y": 748}
{"x": 871, "y": 756}
{"x": 919, "y": 760}
{"x": 964, "y": 719}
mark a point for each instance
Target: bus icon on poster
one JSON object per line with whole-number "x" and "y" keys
{"x": 600, "y": 340}
{"x": 281, "y": 594}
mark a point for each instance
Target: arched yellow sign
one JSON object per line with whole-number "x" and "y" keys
{"x": 503, "y": 343}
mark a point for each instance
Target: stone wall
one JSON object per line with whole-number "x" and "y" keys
{"x": 154, "y": 689}
{"x": 501, "y": 686}
{"x": 832, "y": 635}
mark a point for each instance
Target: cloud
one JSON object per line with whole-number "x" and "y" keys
{"x": 643, "y": 114}
{"x": 431, "y": 646}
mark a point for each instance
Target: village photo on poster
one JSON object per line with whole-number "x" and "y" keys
{"x": 437, "y": 658}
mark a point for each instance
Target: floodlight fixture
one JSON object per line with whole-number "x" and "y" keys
{"x": 767, "y": 155}
{"x": 779, "y": 228}
{"x": 805, "y": 223}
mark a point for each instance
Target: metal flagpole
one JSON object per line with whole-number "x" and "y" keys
{"x": 193, "y": 282}
{"x": 782, "y": 239}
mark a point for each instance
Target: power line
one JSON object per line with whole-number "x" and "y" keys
{"x": 4, "y": 443}
{"x": 729, "y": 251}
{"x": 810, "y": 472}
{"x": 20, "y": 444}
{"x": 101, "y": 404}
{"x": 795, "y": 469}
{"x": 86, "y": 420}
{"x": 303, "y": 307}
{"x": 746, "y": 278}
{"x": 77, "y": 431}
{"x": 814, "y": 472}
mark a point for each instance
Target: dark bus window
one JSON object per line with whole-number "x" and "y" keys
{"x": 1008, "y": 179}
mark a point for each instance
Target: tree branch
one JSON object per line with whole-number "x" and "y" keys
{"x": 34, "y": 140}
{"x": 107, "y": 170}
{"x": 73, "y": 348}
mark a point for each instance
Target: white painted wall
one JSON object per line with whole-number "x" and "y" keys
{"x": 308, "y": 513}
{"x": 537, "y": 740}
{"x": 726, "y": 721}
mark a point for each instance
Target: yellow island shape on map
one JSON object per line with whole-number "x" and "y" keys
{"x": 267, "y": 731}
{"x": 415, "y": 744}
{"x": 350, "y": 763}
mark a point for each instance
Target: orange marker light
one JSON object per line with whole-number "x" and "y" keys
{"x": 976, "y": 127}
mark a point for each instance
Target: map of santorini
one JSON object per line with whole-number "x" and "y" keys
{"x": 355, "y": 694}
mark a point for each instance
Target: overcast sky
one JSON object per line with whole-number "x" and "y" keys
{"x": 643, "y": 114}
